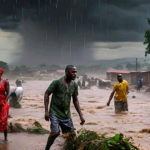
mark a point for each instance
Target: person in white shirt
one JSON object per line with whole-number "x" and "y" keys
{"x": 16, "y": 93}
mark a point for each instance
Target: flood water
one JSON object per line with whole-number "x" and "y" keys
{"x": 98, "y": 118}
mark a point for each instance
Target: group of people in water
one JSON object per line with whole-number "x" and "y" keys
{"x": 65, "y": 88}
{"x": 87, "y": 83}
{"x": 58, "y": 113}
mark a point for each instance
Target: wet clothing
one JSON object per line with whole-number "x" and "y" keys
{"x": 61, "y": 97}
{"x": 65, "y": 124}
{"x": 121, "y": 106}
{"x": 4, "y": 111}
{"x": 139, "y": 82}
{"x": 121, "y": 91}
{"x": 2, "y": 91}
{"x": 4, "y": 107}
{"x": 1, "y": 71}
{"x": 17, "y": 93}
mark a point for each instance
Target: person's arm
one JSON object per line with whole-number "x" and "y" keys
{"x": 110, "y": 98}
{"x": 78, "y": 109}
{"x": 46, "y": 103}
{"x": 112, "y": 94}
{"x": 127, "y": 88}
{"x": 48, "y": 92}
{"x": 7, "y": 88}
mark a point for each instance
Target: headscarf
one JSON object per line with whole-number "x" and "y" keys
{"x": 1, "y": 71}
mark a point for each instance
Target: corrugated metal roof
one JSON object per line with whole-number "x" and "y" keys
{"x": 126, "y": 71}
{"x": 118, "y": 71}
{"x": 60, "y": 71}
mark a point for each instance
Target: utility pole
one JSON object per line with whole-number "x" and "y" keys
{"x": 136, "y": 69}
{"x": 136, "y": 64}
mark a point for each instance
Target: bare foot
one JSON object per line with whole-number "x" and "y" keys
{"x": 6, "y": 140}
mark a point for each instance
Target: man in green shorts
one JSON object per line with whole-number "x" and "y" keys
{"x": 59, "y": 113}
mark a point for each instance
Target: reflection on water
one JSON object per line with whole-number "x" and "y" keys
{"x": 4, "y": 145}
{"x": 23, "y": 141}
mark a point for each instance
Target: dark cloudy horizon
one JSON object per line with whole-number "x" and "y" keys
{"x": 71, "y": 31}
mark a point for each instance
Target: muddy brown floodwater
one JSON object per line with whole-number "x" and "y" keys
{"x": 98, "y": 117}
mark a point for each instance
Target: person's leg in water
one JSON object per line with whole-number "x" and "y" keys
{"x": 68, "y": 132}
{"x": 125, "y": 107}
{"x": 67, "y": 128}
{"x": 51, "y": 140}
{"x": 5, "y": 131}
{"x": 138, "y": 88}
{"x": 118, "y": 107}
{"x": 54, "y": 131}
{"x": 5, "y": 135}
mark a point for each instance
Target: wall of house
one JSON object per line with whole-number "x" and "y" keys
{"x": 113, "y": 76}
{"x": 144, "y": 75}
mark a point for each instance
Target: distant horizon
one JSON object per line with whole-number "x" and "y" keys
{"x": 94, "y": 62}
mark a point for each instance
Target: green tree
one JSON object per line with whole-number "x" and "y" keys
{"x": 16, "y": 71}
{"x": 21, "y": 69}
{"x": 130, "y": 66}
{"x": 147, "y": 39}
{"x": 119, "y": 67}
{"x": 4, "y": 66}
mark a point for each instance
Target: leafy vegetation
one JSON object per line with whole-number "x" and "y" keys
{"x": 147, "y": 39}
{"x": 37, "y": 129}
{"x": 15, "y": 128}
{"x": 89, "y": 140}
{"x": 15, "y": 104}
{"x": 5, "y": 67}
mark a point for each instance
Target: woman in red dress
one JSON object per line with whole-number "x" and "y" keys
{"x": 4, "y": 105}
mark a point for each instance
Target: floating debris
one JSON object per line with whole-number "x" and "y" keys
{"x": 15, "y": 104}
{"x": 90, "y": 140}
{"x": 15, "y": 128}
{"x": 37, "y": 129}
{"x": 145, "y": 130}
{"x": 9, "y": 116}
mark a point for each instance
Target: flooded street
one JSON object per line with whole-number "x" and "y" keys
{"x": 98, "y": 116}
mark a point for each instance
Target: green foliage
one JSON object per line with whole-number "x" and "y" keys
{"x": 119, "y": 67}
{"x": 15, "y": 128}
{"x": 37, "y": 124}
{"x": 4, "y": 66}
{"x": 15, "y": 104}
{"x": 9, "y": 116}
{"x": 147, "y": 39}
{"x": 21, "y": 69}
{"x": 130, "y": 66}
{"x": 89, "y": 140}
{"x": 37, "y": 129}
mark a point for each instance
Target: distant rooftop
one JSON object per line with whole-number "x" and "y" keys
{"x": 125, "y": 71}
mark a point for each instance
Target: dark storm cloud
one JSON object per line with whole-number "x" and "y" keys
{"x": 96, "y": 19}
{"x": 63, "y": 28}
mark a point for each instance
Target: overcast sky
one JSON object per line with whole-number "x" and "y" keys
{"x": 68, "y": 31}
